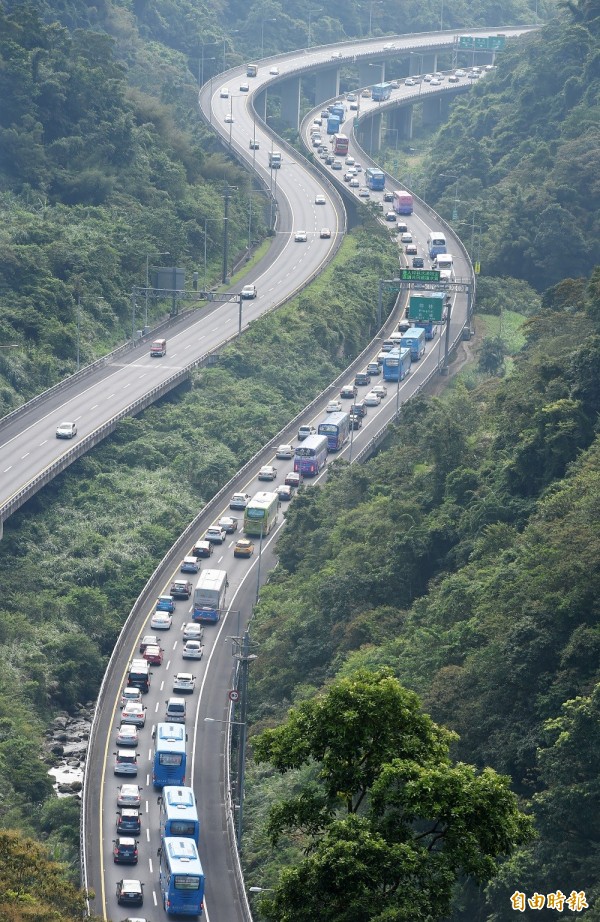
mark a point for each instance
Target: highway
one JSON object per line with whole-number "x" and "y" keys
{"x": 225, "y": 898}
{"x": 28, "y": 444}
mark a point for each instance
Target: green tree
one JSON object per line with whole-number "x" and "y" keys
{"x": 389, "y": 823}
{"x": 491, "y": 355}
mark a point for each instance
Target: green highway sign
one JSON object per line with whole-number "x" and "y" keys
{"x": 482, "y": 43}
{"x": 419, "y": 275}
{"x": 427, "y": 306}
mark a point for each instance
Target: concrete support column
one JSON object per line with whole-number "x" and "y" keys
{"x": 422, "y": 64}
{"x": 368, "y": 74}
{"x": 432, "y": 111}
{"x": 401, "y": 120}
{"x": 290, "y": 101}
{"x": 327, "y": 84}
{"x": 372, "y": 133}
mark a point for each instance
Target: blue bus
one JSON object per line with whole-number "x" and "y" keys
{"x": 381, "y": 91}
{"x": 209, "y": 596}
{"x": 169, "y": 762}
{"x": 181, "y": 877}
{"x": 311, "y": 456}
{"x": 336, "y": 426}
{"x": 414, "y": 339}
{"x": 179, "y": 814}
{"x": 333, "y": 124}
{"x": 396, "y": 365}
{"x": 375, "y": 179}
{"x": 436, "y": 243}
{"x": 428, "y": 326}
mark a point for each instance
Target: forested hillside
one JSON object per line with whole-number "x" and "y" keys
{"x": 522, "y": 150}
{"x": 98, "y": 176}
{"x": 465, "y": 557}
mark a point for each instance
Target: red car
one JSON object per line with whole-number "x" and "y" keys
{"x": 153, "y": 654}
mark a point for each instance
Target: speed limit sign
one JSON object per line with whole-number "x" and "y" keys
{"x": 234, "y": 695}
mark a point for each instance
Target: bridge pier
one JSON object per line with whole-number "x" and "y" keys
{"x": 290, "y": 102}
{"x": 422, "y": 64}
{"x": 435, "y": 110}
{"x": 327, "y": 84}
{"x": 401, "y": 120}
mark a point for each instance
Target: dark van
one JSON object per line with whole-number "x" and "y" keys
{"x": 139, "y": 675}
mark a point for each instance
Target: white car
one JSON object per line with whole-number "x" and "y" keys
{"x": 435, "y": 81}
{"x": 406, "y": 237}
{"x": 274, "y": 71}
{"x": 334, "y": 406}
{"x": 410, "y": 82}
{"x": 228, "y": 523}
{"x": 244, "y": 87}
{"x": 285, "y": 452}
{"x": 349, "y": 161}
{"x": 229, "y": 118}
{"x": 192, "y": 631}
{"x": 189, "y": 565}
{"x": 184, "y": 682}
{"x": 249, "y": 291}
{"x": 224, "y": 94}
{"x": 161, "y": 621}
{"x": 215, "y": 534}
{"x": 192, "y": 649}
{"x": 125, "y": 762}
{"x": 380, "y": 389}
{"x": 372, "y": 399}
{"x": 320, "y": 200}
{"x": 66, "y": 431}
{"x": 354, "y": 183}
{"x": 460, "y": 73}
{"x": 132, "y": 694}
{"x": 129, "y": 796}
{"x": 364, "y": 193}
{"x": 134, "y": 714}
{"x": 358, "y": 167}
{"x": 239, "y": 500}
{"x": 127, "y": 735}
{"x": 300, "y": 236}
{"x": 267, "y": 472}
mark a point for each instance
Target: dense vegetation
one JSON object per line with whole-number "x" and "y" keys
{"x": 388, "y": 821}
{"x": 93, "y": 538}
{"x": 465, "y": 558}
{"x": 522, "y": 150}
{"x": 97, "y": 176}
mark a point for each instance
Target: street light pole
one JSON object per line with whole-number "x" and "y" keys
{"x": 262, "y": 35}
{"x": 163, "y": 253}
{"x": 457, "y": 178}
{"x": 259, "y": 562}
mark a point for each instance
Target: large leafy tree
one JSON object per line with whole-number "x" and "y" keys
{"x": 389, "y": 822}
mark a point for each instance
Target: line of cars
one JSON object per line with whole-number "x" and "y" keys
{"x": 132, "y": 721}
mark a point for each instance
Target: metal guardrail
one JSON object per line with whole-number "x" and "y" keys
{"x": 84, "y": 372}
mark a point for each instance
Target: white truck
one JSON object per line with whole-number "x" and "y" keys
{"x": 274, "y": 159}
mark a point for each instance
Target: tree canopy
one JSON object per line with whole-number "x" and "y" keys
{"x": 389, "y": 822}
